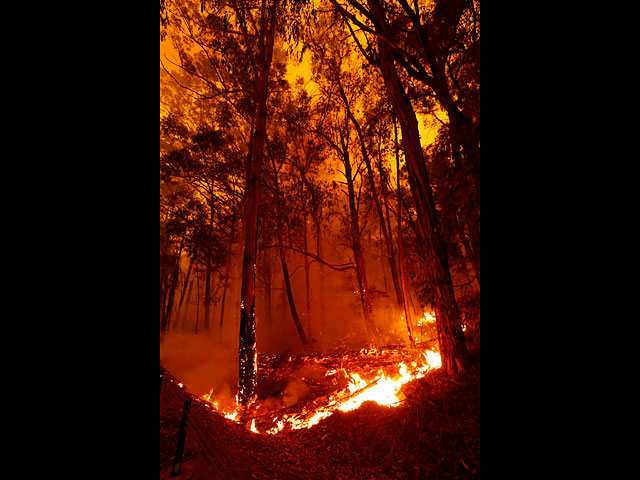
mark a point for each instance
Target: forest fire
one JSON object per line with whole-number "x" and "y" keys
{"x": 320, "y": 191}
{"x": 359, "y": 384}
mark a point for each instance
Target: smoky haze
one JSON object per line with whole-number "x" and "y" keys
{"x": 204, "y": 360}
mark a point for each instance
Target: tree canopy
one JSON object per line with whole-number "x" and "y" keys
{"x": 327, "y": 151}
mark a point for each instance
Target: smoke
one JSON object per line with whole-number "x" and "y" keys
{"x": 209, "y": 360}
{"x": 295, "y": 392}
{"x": 201, "y": 363}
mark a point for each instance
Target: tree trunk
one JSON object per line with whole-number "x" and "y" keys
{"x": 247, "y": 351}
{"x": 448, "y": 321}
{"x": 361, "y": 275}
{"x": 267, "y": 292}
{"x": 164, "y": 276}
{"x": 306, "y": 275}
{"x": 323, "y": 319}
{"x": 183, "y": 295}
{"x": 185, "y": 314}
{"x": 207, "y": 296}
{"x": 376, "y": 199}
{"x": 227, "y": 271}
{"x": 403, "y": 282}
{"x": 287, "y": 281}
{"x": 166, "y": 319}
{"x": 197, "y": 298}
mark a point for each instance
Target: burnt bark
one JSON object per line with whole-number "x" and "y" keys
{"x": 247, "y": 351}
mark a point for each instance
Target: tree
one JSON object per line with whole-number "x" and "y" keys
{"x": 280, "y": 205}
{"x": 204, "y": 165}
{"x": 434, "y": 252}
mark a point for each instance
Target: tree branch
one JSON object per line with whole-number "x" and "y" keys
{"x": 340, "y": 267}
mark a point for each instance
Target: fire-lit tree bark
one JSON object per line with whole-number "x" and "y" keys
{"x": 448, "y": 320}
{"x": 438, "y": 39}
{"x": 247, "y": 351}
{"x": 373, "y": 20}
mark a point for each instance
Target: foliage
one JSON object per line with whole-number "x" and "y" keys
{"x": 209, "y": 99}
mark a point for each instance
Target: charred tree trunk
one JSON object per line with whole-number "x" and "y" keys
{"x": 247, "y": 351}
{"x": 448, "y": 320}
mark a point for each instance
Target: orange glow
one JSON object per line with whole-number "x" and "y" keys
{"x": 384, "y": 389}
{"x": 428, "y": 318}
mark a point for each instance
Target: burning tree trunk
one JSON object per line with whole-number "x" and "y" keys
{"x": 247, "y": 352}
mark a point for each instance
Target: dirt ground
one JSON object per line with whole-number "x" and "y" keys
{"x": 433, "y": 434}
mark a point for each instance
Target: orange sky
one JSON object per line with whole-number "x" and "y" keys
{"x": 428, "y": 126}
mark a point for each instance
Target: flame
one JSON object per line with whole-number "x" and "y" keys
{"x": 428, "y": 318}
{"x": 253, "y": 426}
{"x": 384, "y": 389}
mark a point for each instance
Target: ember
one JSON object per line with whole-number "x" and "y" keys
{"x": 319, "y": 238}
{"x": 369, "y": 375}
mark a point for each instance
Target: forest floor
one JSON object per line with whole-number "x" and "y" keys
{"x": 433, "y": 434}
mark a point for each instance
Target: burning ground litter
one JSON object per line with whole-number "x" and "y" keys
{"x": 299, "y": 391}
{"x": 433, "y": 431}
